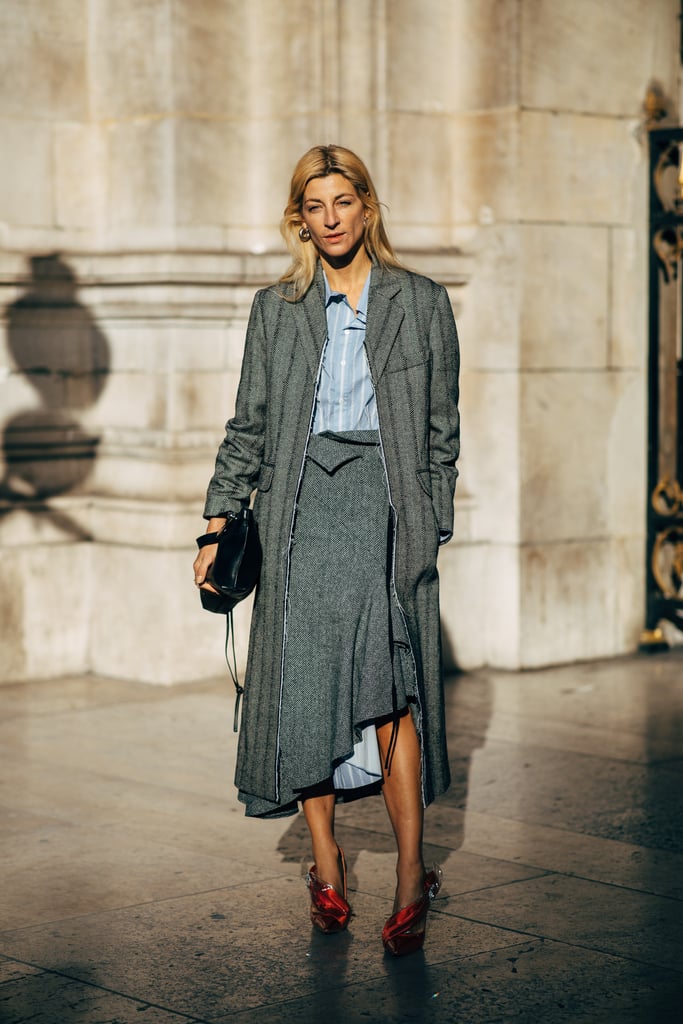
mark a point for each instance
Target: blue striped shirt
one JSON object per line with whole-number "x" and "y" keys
{"x": 346, "y": 398}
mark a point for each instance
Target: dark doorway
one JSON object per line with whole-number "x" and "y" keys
{"x": 665, "y": 384}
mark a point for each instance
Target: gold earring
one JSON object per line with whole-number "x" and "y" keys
{"x": 304, "y": 233}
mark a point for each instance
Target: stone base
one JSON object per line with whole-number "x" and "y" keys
{"x": 124, "y": 610}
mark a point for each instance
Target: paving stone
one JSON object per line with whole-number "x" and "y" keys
{"x": 135, "y": 889}
{"x": 46, "y": 998}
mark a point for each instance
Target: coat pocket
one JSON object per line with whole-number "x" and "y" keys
{"x": 265, "y": 477}
{"x": 424, "y": 478}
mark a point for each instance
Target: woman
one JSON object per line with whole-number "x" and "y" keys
{"x": 346, "y": 425}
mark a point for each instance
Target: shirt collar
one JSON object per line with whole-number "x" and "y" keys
{"x": 331, "y": 296}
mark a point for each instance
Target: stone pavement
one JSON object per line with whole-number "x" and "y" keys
{"x": 134, "y": 890}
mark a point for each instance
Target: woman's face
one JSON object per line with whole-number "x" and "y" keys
{"x": 334, "y": 214}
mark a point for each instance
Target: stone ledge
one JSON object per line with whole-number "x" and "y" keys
{"x": 451, "y": 265}
{"x": 129, "y": 522}
{"x": 164, "y": 284}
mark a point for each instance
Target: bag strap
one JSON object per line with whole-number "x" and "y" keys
{"x": 232, "y": 668}
{"x": 212, "y": 538}
{"x": 208, "y": 538}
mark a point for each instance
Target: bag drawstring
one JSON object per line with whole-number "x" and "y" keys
{"x": 232, "y": 668}
{"x": 394, "y": 734}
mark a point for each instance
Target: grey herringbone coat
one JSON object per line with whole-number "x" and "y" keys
{"x": 412, "y": 350}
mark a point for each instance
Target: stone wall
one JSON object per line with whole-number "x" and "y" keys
{"x": 554, "y": 321}
{"x": 151, "y": 144}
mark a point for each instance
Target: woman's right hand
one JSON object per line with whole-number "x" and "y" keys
{"x": 206, "y": 557}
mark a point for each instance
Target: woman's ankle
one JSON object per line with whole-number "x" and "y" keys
{"x": 327, "y": 863}
{"x": 410, "y": 875}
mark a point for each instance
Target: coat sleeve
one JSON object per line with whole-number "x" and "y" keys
{"x": 444, "y": 423}
{"x": 240, "y": 454}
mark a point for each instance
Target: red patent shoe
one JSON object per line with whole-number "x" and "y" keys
{"x": 329, "y": 910}
{"x": 404, "y": 931}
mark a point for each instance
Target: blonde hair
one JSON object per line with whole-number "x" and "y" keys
{"x": 319, "y": 162}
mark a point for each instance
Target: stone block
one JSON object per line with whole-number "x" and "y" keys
{"x": 489, "y": 315}
{"x": 479, "y": 605}
{"x": 134, "y": 401}
{"x": 130, "y": 59}
{"x": 419, "y": 187}
{"x": 564, "y": 297}
{"x": 503, "y": 583}
{"x": 234, "y": 337}
{"x": 43, "y": 61}
{"x": 13, "y": 647}
{"x": 360, "y": 82}
{"x": 140, "y": 178}
{"x": 207, "y": 237}
{"x": 59, "y": 521}
{"x": 212, "y": 175}
{"x": 16, "y": 393}
{"x": 80, "y": 173}
{"x": 572, "y": 602}
{"x": 26, "y": 177}
{"x": 44, "y": 457}
{"x": 145, "y": 469}
{"x": 236, "y": 174}
{"x": 479, "y": 183}
{"x": 595, "y": 57}
{"x": 278, "y": 76}
{"x": 120, "y": 610}
{"x": 457, "y": 54}
{"x": 573, "y": 429}
{"x": 490, "y": 464}
{"x": 174, "y": 344}
{"x": 628, "y": 591}
{"x": 628, "y": 299}
{"x": 136, "y": 345}
{"x": 577, "y": 169}
{"x": 625, "y": 444}
{"x": 292, "y": 64}
{"x": 150, "y": 595}
{"x": 135, "y": 522}
{"x": 462, "y": 591}
{"x": 256, "y": 239}
{"x": 464, "y": 512}
{"x": 211, "y": 58}
{"x": 44, "y": 596}
{"x": 201, "y": 400}
{"x": 29, "y": 238}
{"x": 275, "y": 145}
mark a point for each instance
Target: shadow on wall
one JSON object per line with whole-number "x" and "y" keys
{"x": 58, "y": 347}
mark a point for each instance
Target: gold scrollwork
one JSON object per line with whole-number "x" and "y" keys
{"x": 668, "y": 246}
{"x": 667, "y": 177}
{"x": 667, "y": 497}
{"x": 667, "y": 561}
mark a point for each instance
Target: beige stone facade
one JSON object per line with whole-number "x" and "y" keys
{"x": 147, "y": 148}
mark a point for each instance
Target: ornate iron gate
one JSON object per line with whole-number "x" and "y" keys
{"x": 665, "y": 385}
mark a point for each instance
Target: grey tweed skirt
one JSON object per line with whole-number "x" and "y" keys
{"x": 347, "y": 659}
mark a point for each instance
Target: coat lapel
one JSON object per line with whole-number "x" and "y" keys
{"x": 311, "y": 321}
{"x": 385, "y": 316}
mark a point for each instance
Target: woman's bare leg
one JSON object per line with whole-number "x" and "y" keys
{"x": 403, "y": 798}
{"x": 319, "y": 814}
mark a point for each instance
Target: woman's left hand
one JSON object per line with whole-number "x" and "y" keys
{"x": 202, "y": 565}
{"x": 206, "y": 556}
